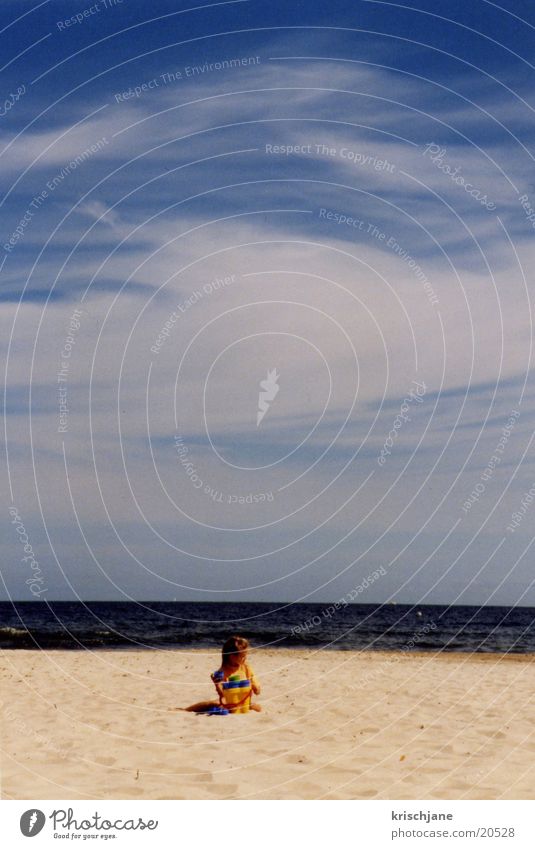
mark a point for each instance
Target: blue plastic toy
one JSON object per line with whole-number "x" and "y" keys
{"x": 217, "y": 711}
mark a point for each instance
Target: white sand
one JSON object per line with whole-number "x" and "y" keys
{"x": 335, "y": 725}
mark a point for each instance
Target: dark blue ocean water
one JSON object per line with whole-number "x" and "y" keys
{"x": 76, "y": 625}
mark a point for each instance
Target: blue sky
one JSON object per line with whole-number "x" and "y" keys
{"x": 193, "y": 198}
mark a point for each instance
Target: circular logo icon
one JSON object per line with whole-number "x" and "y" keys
{"x": 31, "y": 822}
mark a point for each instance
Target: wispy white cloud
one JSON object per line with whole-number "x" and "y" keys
{"x": 339, "y": 310}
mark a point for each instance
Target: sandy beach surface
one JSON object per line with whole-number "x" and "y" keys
{"x": 335, "y": 725}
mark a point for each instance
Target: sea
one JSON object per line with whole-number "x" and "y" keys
{"x": 168, "y": 625}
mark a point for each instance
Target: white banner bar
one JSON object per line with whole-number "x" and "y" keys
{"x": 265, "y": 824}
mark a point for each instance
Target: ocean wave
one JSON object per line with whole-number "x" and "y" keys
{"x": 164, "y": 625}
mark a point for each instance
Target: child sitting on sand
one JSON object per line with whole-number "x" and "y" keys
{"x": 234, "y": 662}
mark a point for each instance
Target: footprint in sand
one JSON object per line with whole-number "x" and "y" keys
{"x": 197, "y": 775}
{"x": 367, "y": 794}
{"x": 224, "y": 791}
{"x": 459, "y": 788}
{"x": 204, "y": 776}
{"x": 298, "y": 759}
{"x": 128, "y": 792}
{"x": 106, "y": 761}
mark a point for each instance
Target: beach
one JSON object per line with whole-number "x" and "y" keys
{"x": 335, "y": 725}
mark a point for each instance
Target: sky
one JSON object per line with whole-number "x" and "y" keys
{"x": 266, "y": 300}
